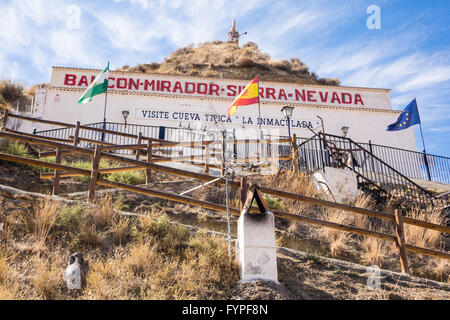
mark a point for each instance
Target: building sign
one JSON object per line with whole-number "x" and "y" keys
{"x": 228, "y": 89}
{"x": 150, "y": 114}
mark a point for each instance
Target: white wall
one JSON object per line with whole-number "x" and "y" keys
{"x": 364, "y": 124}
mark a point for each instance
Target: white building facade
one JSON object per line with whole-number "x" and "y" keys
{"x": 197, "y": 102}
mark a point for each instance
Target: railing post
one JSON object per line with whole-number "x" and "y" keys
{"x": 94, "y": 173}
{"x": 246, "y": 151}
{"x": 222, "y": 171}
{"x": 294, "y": 153}
{"x": 258, "y": 149}
{"x": 148, "y": 171}
{"x": 371, "y": 156}
{"x": 139, "y": 141}
{"x": 76, "y": 139}
{"x": 425, "y": 160}
{"x": 351, "y": 154}
{"x": 234, "y": 146}
{"x": 401, "y": 241}
{"x": 56, "y": 175}
{"x": 321, "y": 151}
{"x": 207, "y": 158}
{"x": 244, "y": 189}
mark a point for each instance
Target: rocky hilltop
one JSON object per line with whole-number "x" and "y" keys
{"x": 231, "y": 61}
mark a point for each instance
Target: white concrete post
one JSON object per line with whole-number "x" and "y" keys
{"x": 257, "y": 248}
{"x": 340, "y": 184}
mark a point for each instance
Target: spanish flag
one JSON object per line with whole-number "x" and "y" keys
{"x": 250, "y": 95}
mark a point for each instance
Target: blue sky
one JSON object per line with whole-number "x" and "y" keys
{"x": 410, "y": 54}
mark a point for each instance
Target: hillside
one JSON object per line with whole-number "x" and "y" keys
{"x": 230, "y": 61}
{"x": 150, "y": 257}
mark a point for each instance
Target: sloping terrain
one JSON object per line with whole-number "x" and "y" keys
{"x": 230, "y": 61}
{"x": 151, "y": 257}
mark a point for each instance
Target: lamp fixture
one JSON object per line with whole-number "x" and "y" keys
{"x": 125, "y": 114}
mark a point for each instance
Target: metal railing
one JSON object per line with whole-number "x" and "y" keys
{"x": 373, "y": 174}
{"x": 411, "y": 164}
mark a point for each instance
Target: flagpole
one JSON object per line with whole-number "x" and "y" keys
{"x": 425, "y": 159}
{"x": 259, "y": 112}
{"x": 259, "y": 123}
{"x": 104, "y": 109}
{"x": 420, "y": 126}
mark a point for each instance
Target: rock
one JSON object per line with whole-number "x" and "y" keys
{"x": 393, "y": 296}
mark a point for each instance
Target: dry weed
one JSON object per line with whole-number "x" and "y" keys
{"x": 338, "y": 241}
{"x": 141, "y": 258}
{"x": 91, "y": 236}
{"x": 47, "y": 278}
{"x": 441, "y": 270}
{"x": 105, "y": 215}
{"x": 121, "y": 229}
{"x": 422, "y": 237}
{"x": 374, "y": 251}
{"x": 43, "y": 220}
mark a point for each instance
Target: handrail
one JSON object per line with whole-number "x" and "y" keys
{"x": 199, "y": 176}
{"x": 393, "y": 169}
{"x": 437, "y": 173}
{"x": 405, "y": 180}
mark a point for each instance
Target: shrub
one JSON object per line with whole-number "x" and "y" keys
{"x": 139, "y": 259}
{"x": 121, "y": 230}
{"x": 43, "y": 220}
{"x": 70, "y": 219}
{"x": 10, "y": 91}
{"x": 4, "y": 104}
{"x": 282, "y": 65}
{"x": 245, "y": 62}
{"x": 273, "y": 203}
{"x": 152, "y": 66}
{"x": 169, "y": 237}
{"x": 91, "y": 236}
{"x": 128, "y": 177}
{"x": 16, "y": 148}
{"x": 105, "y": 215}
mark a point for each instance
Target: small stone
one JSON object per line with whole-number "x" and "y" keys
{"x": 393, "y": 296}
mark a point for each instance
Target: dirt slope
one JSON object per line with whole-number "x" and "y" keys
{"x": 302, "y": 276}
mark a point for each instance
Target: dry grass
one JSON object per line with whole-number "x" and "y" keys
{"x": 298, "y": 183}
{"x": 228, "y": 60}
{"x": 338, "y": 241}
{"x": 91, "y": 236}
{"x": 374, "y": 251}
{"x": 105, "y": 215}
{"x": 43, "y": 220}
{"x": 121, "y": 230}
{"x": 148, "y": 271}
{"x": 441, "y": 269}
{"x": 420, "y": 236}
{"x": 47, "y": 278}
{"x": 128, "y": 258}
{"x": 4, "y": 265}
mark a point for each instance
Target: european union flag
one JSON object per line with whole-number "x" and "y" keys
{"x": 408, "y": 117}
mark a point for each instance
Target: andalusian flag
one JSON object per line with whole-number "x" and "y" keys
{"x": 250, "y": 95}
{"x": 99, "y": 86}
